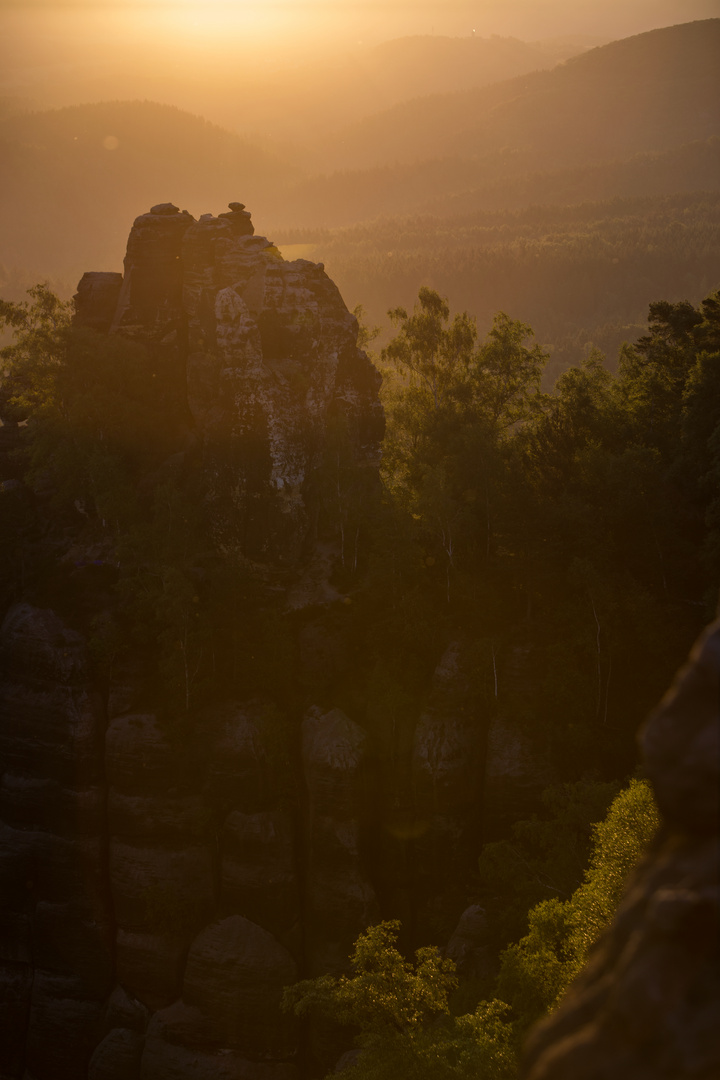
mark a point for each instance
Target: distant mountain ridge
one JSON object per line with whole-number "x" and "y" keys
{"x": 293, "y": 93}
{"x": 635, "y": 118}
{"x": 647, "y": 92}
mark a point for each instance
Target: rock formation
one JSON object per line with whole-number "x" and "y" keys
{"x": 155, "y": 902}
{"x": 264, "y": 354}
{"x": 161, "y": 885}
{"x": 647, "y": 1005}
{"x": 56, "y": 963}
{"x": 338, "y": 895}
{"x": 447, "y": 774}
{"x": 517, "y": 768}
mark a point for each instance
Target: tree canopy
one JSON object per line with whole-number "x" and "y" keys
{"x": 402, "y": 1012}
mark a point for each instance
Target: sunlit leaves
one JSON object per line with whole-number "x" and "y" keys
{"x": 537, "y": 970}
{"x": 402, "y": 1011}
{"x": 385, "y": 991}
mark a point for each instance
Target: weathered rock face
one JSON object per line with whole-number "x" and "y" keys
{"x": 56, "y": 964}
{"x": 272, "y": 366}
{"x": 96, "y": 300}
{"x": 339, "y": 899}
{"x": 447, "y": 776}
{"x": 116, "y": 860}
{"x": 236, "y": 972}
{"x": 647, "y": 1006}
{"x": 150, "y": 300}
{"x": 469, "y": 946}
{"x": 265, "y": 351}
{"x": 159, "y": 865}
{"x": 517, "y": 768}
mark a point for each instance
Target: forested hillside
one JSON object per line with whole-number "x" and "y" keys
{"x": 581, "y": 276}
{"x": 446, "y": 187}
{"x": 577, "y": 276}
{"x": 636, "y": 117}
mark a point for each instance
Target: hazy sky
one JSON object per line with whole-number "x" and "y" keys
{"x": 46, "y": 45}
{"x": 344, "y": 19}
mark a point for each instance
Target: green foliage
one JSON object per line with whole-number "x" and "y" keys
{"x": 402, "y": 1011}
{"x": 432, "y": 355}
{"x": 506, "y": 375}
{"x": 577, "y": 511}
{"x": 543, "y": 858}
{"x": 31, "y": 363}
{"x": 449, "y": 411}
{"x": 100, "y": 416}
{"x": 366, "y": 333}
{"x": 620, "y": 841}
{"x": 478, "y": 1044}
{"x": 581, "y": 275}
{"x": 536, "y": 971}
{"x": 385, "y": 992}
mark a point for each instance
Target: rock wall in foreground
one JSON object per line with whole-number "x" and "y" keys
{"x": 647, "y": 1006}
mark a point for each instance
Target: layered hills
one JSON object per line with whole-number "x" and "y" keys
{"x": 646, "y": 92}
{"x": 292, "y": 91}
{"x": 70, "y": 178}
{"x": 635, "y": 120}
{"x": 652, "y": 92}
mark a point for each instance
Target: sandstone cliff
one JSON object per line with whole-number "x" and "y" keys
{"x": 162, "y": 884}
{"x": 263, "y": 353}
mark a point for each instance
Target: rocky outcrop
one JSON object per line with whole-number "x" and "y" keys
{"x": 263, "y": 354}
{"x": 126, "y": 862}
{"x": 250, "y": 786}
{"x": 470, "y": 946}
{"x": 162, "y": 881}
{"x": 339, "y": 900}
{"x": 235, "y": 973}
{"x": 647, "y": 1006}
{"x": 447, "y": 777}
{"x": 258, "y": 868}
{"x": 518, "y": 763}
{"x": 272, "y": 366}
{"x": 96, "y": 300}
{"x": 160, "y": 870}
{"x": 150, "y": 306}
{"x": 56, "y": 964}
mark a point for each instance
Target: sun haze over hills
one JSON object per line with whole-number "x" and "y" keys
{"x": 643, "y": 93}
{"x": 266, "y": 67}
{"x": 342, "y": 116}
{"x": 71, "y": 179}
